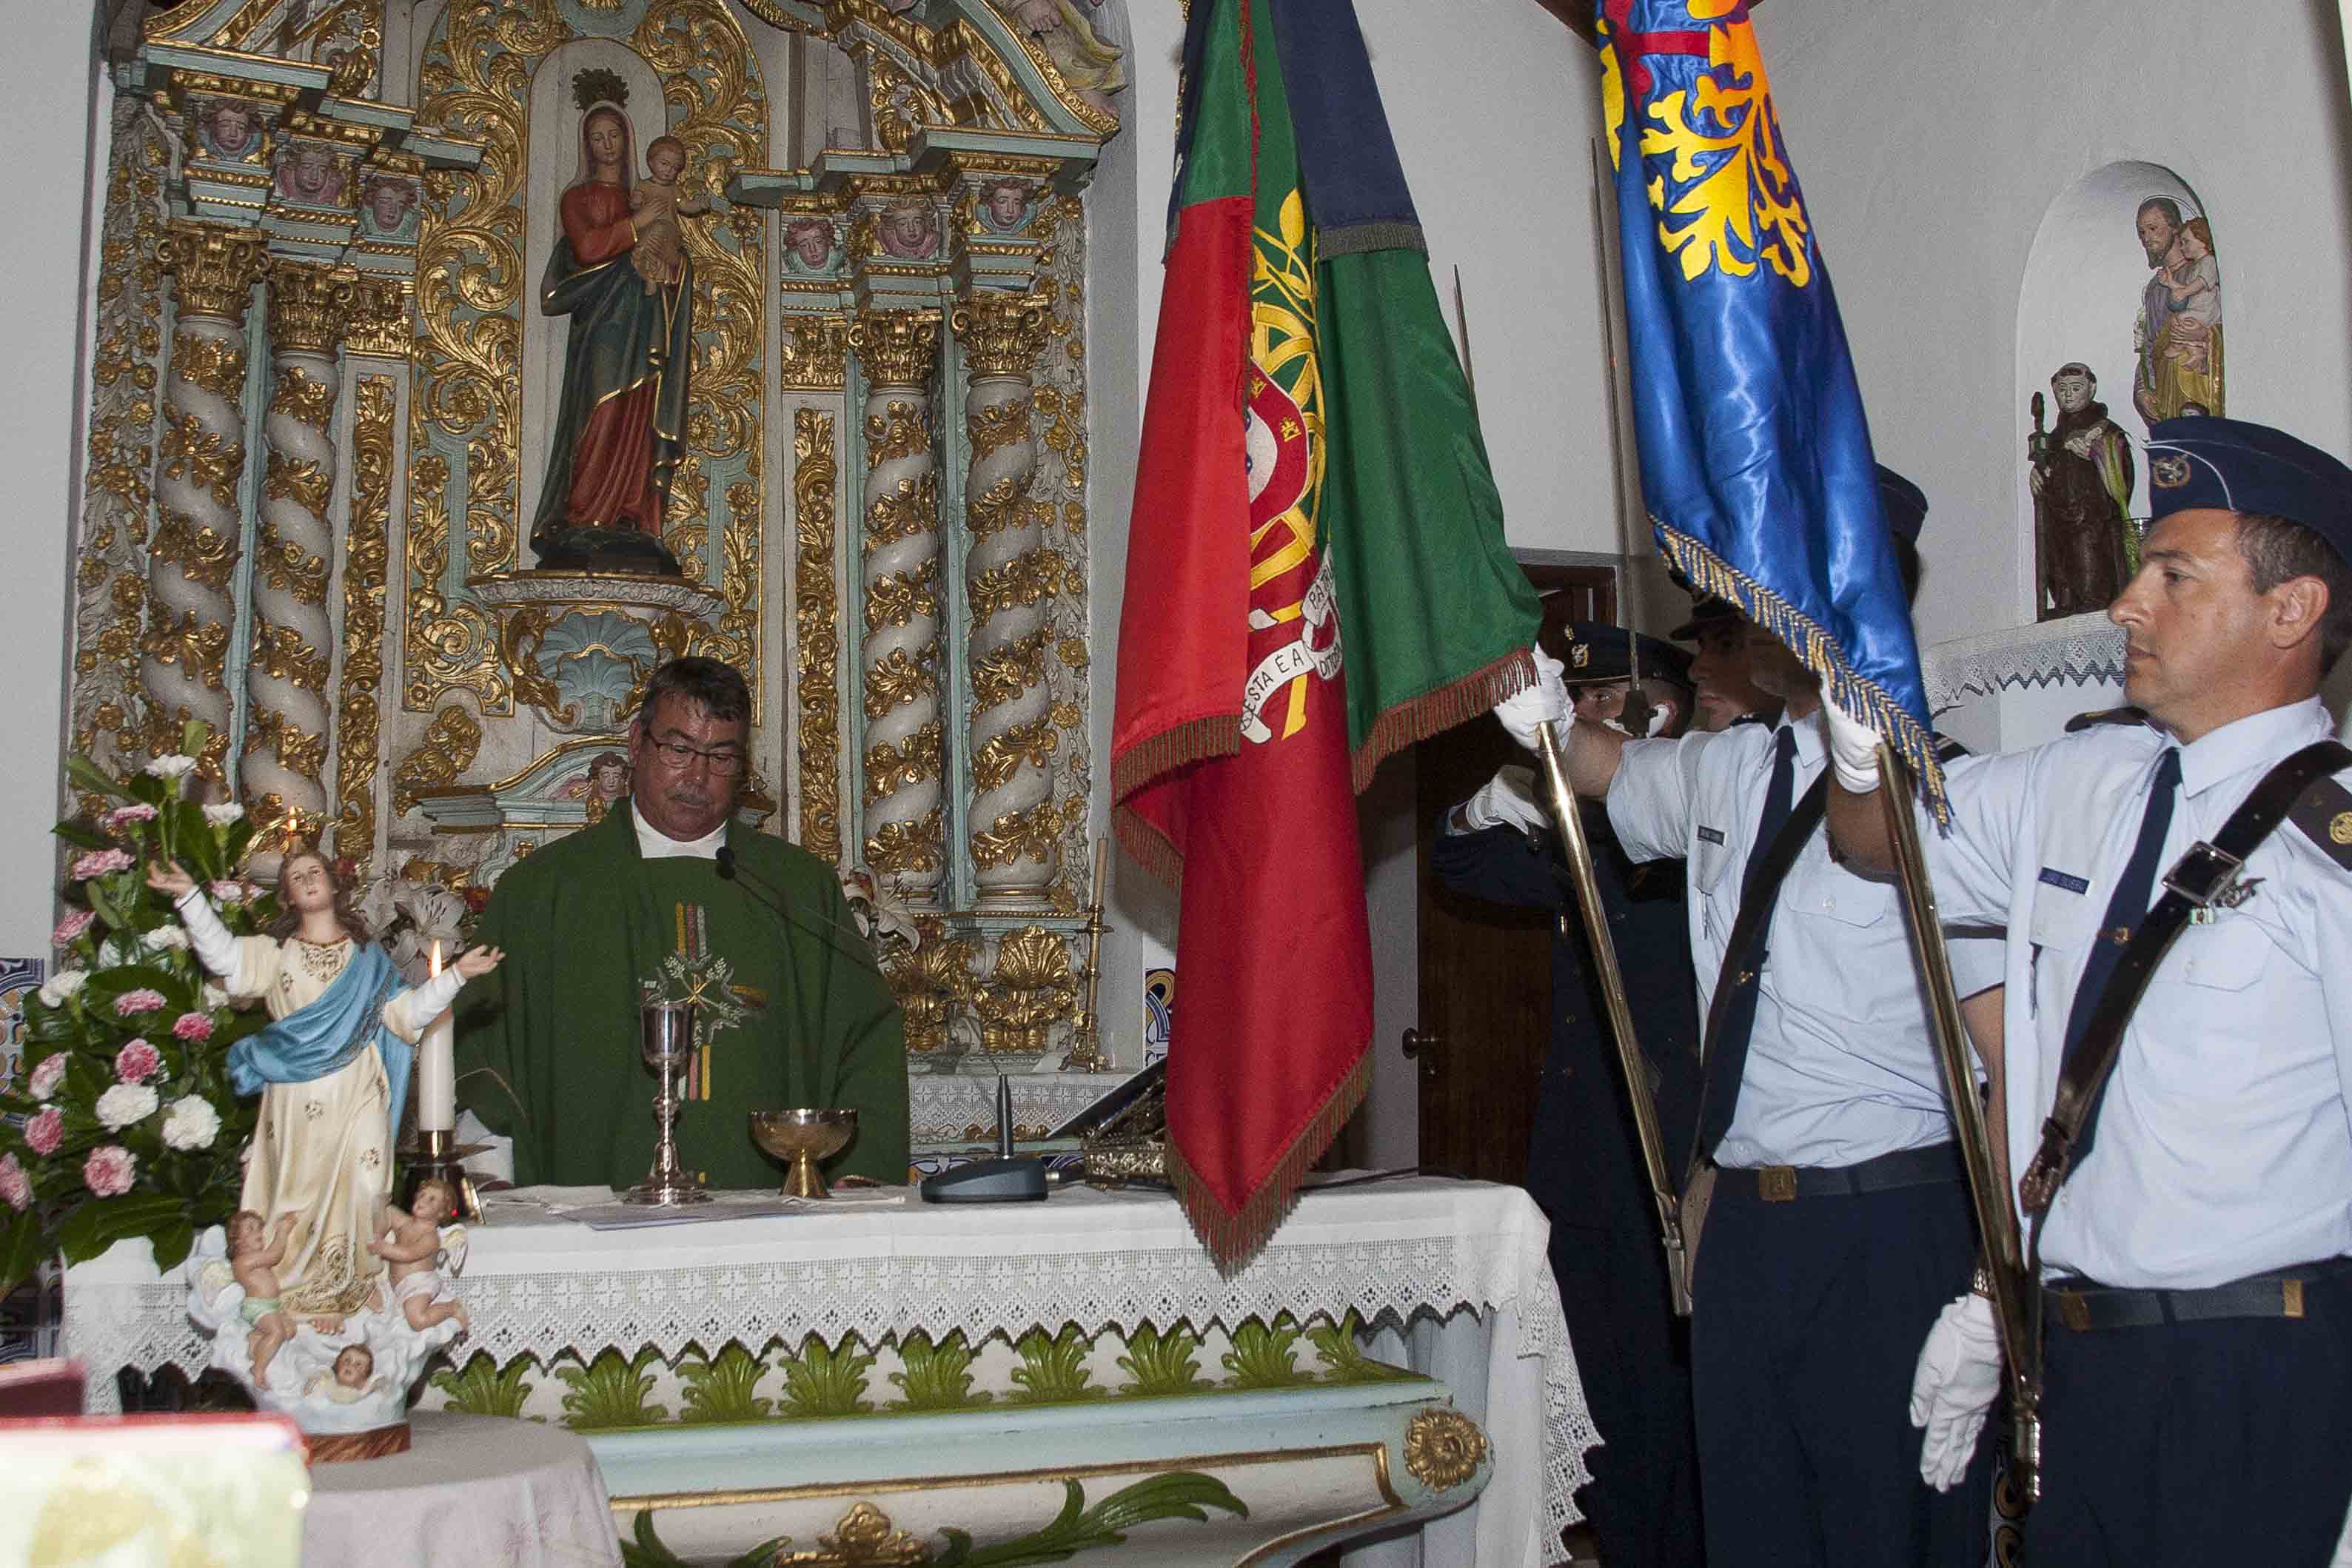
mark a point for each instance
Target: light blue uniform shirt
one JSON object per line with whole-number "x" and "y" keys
{"x": 2223, "y": 1147}
{"x": 1840, "y": 1068}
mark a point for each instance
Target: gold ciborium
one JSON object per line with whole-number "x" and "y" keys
{"x": 803, "y": 1137}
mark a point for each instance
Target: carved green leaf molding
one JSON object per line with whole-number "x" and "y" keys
{"x": 938, "y": 1376}
{"x": 821, "y": 1382}
{"x": 1344, "y": 1360}
{"x": 610, "y": 1391}
{"x": 1164, "y": 1364}
{"x": 1053, "y": 1370}
{"x": 1261, "y": 1355}
{"x": 479, "y": 1388}
{"x": 720, "y": 1387}
{"x": 1177, "y": 1494}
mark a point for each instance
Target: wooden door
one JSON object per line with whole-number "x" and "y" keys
{"x": 1486, "y": 970}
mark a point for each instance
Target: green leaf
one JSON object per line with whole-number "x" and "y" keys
{"x": 175, "y": 1238}
{"x": 193, "y": 736}
{"x": 92, "y": 777}
{"x": 821, "y": 1382}
{"x": 80, "y": 834}
{"x": 720, "y": 1387}
{"x": 609, "y": 1392}
{"x": 1163, "y": 1364}
{"x": 1177, "y": 1494}
{"x": 103, "y": 902}
{"x": 1261, "y": 1355}
{"x": 100, "y": 1223}
{"x": 645, "y": 1549}
{"x": 1053, "y": 1370}
{"x": 938, "y": 1376}
{"x": 20, "y": 1249}
{"x": 481, "y": 1388}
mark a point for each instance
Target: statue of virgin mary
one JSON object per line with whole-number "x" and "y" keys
{"x": 620, "y": 427}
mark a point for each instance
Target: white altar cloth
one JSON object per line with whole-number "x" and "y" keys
{"x": 1459, "y": 1267}
{"x": 472, "y": 1489}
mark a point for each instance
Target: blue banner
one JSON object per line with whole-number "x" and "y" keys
{"x": 1756, "y": 459}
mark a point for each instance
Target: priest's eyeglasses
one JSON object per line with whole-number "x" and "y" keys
{"x": 678, "y": 757}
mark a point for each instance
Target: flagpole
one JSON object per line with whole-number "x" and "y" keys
{"x": 1635, "y": 715}
{"x": 1587, "y": 889}
{"x": 2004, "y": 1263}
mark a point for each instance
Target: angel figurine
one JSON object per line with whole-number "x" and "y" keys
{"x": 255, "y": 1253}
{"x": 351, "y": 1380}
{"x": 413, "y": 1245}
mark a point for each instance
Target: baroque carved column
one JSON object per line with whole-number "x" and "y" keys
{"x": 906, "y": 838}
{"x": 200, "y": 459}
{"x": 283, "y": 763}
{"x": 1010, "y": 577}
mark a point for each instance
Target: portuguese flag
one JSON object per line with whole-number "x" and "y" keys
{"x": 1315, "y": 577}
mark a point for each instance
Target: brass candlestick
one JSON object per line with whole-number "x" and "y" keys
{"x": 667, "y": 1040}
{"x": 1085, "y": 1054}
{"x": 434, "y": 1155}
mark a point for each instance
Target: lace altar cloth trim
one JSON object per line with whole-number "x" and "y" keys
{"x": 943, "y": 1106}
{"x": 2081, "y": 650}
{"x": 1393, "y": 1251}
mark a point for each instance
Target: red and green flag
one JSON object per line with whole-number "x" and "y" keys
{"x": 1316, "y": 578}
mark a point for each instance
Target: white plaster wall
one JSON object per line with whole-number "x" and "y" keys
{"x": 48, "y": 71}
{"x": 1931, "y": 139}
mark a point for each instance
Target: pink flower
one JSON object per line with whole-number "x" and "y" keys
{"x": 99, "y": 862}
{"x": 45, "y": 1130}
{"x": 72, "y": 926}
{"x": 123, "y": 816}
{"x": 45, "y": 1078}
{"x": 139, "y": 1061}
{"x": 228, "y": 891}
{"x": 140, "y": 1001}
{"x": 14, "y": 1185}
{"x": 192, "y": 1027}
{"x": 109, "y": 1170}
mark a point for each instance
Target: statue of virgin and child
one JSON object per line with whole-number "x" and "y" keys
{"x": 300, "y": 1276}
{"x": 619, "y": 270}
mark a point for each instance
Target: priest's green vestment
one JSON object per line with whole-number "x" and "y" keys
{"x": 546, "y": 1044}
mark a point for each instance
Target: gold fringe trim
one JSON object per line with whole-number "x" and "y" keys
{"x": 1195, "y": 740}
{"x": 1234, "y": 1238}
{"x": 1417, "y": 718}
{"x": 1864, "y": 700}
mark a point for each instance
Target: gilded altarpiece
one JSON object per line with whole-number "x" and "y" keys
{"x": 321, "y": 410}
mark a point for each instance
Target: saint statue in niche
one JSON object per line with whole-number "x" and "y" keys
{"x": 2085, "y": 545}
{"x": 620, "y": 426}
{"x": 2177, "y": 334}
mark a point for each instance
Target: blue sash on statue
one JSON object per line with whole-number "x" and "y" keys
{"x": 313, "y": 1041}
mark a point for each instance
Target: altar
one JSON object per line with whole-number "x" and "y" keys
{"x": 979, "y": 1369}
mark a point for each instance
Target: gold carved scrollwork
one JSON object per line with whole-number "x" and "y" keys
{"x": 301, "y": 395}
{"x": 900, "y": 432}
{"x": 817, "y": 613}
{"x": 280, "y": 653}
{"x": 900, "y": 599}
{"x": 890, "y": 768}
{"x": 213, "y": 268}
{"x": 199, "y": 645}
{"x": 932, "y": 983}
{"x": 523, "y": 632}
{"x": 997, "y": 425}
{"x": 298, "y": 479}
{"x": 1004, "y": 673}
{"x": 216, "y": 365}
{"x": 212, "y": 460}
{"x": 895, "y": 347}
{"x": 307, "y": 307}
{"x": 366, "y": 560}
{"x": 1001, "y": 332}
{"x": 906, "y": 846}
{"x": 450, "y": 744}
{"x": 1031, "y": 987}
{"x": 298, "y": 749}
{"x": 908, "y": 508}
{"x": 901, "y": 105}
{"x": 993, "y": 765}
{"x": 1442, "y": 1449}
{"x": 1026, "y": 579}
{"x": 281, "y": 563}
{"x": 1016, "y": 836}
{"x": 204, "y": 556}
{"x": 899, "y": 679}
{"x": 378, "y": 322}
{"x": 862, "y": 1538}
{"x": 815, "y": 351}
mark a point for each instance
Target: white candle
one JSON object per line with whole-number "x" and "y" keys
{"x": 437, "y": 1069}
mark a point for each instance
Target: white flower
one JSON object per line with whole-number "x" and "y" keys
{"x": 171, "y": 765}
{"x": 215, "y": 996}
{"x": 62, "y": 984}
{"x": 191, "y": 1124}
{"x": 171, "y": 936}
{"x": 45, "y": 1078}
{"x": 118, "y": 950}
{"x": 125, "y": 1103}
{"x": 379, "y": 906}
{"x": 222, "y": 815}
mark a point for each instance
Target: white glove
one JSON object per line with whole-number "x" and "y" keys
{"x": 1853, "y": 750}
{"x": 1545, "y": 702}
{"x": 1506, "y": 799}
{"x": 1958, "y": 1378}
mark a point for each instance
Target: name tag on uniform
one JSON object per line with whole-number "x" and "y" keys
{"x": 2058, "y": 878}
{"x": 1710, "y": 834}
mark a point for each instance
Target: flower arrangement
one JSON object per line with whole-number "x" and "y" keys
{"x": 411, "y": 916}
{"x": 124, "y": 1124}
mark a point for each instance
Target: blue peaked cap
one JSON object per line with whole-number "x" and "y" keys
{"x": 1905, "y": 503}
{"x": 2235, "y": 464}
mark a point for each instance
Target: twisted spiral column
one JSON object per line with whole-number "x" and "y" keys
{"x": 284, "y": 765}
{"x": 906, "y": 837}
{"x": 1009, "y": 581}
{"x": 199, "y": 461}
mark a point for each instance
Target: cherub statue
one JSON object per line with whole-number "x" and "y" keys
{"x": 351, "y": 1380}
{"x": 655, "y": 206}
{"x": 255, "y": 1253}
{"x": 411, "y": 1248}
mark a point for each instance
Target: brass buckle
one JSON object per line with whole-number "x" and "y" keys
{"x": 2074, "y": 1312}
{"x": 2203, "y": 874}
{"x": 2290, "y": 1296}
{"x": 1777, "y": 1183}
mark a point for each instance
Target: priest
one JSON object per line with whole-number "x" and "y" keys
{"x": 792, "y": 1011}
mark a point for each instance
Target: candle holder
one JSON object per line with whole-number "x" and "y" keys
{"x": 435, "y": 1153}
{"x": 666, "y": 1040}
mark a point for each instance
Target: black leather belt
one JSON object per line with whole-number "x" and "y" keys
{"x": 2084, "y": 1307}
{"x": 1784, "y": 1184}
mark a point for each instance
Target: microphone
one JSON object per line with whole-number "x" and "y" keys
{"x": 732, "y": 870}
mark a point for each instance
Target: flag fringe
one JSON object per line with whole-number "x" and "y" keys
{"x": 1178, "y": 746}
{"x": 1233, "y": 1238}
{"x": 1859, "y": 697}
{"x": 1418, "y": 718}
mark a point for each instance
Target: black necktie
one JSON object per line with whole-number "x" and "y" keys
{"x": 2135, "y": 891}
{"x": 1727, "y": 1057}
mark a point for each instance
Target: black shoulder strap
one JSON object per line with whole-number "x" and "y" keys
{"x": 2324, "y": 812}
{"x": 2205, "y": 871}
{"x": 1758, "y": 897}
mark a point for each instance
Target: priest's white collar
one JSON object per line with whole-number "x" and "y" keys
{"x": 653, "y": 843}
